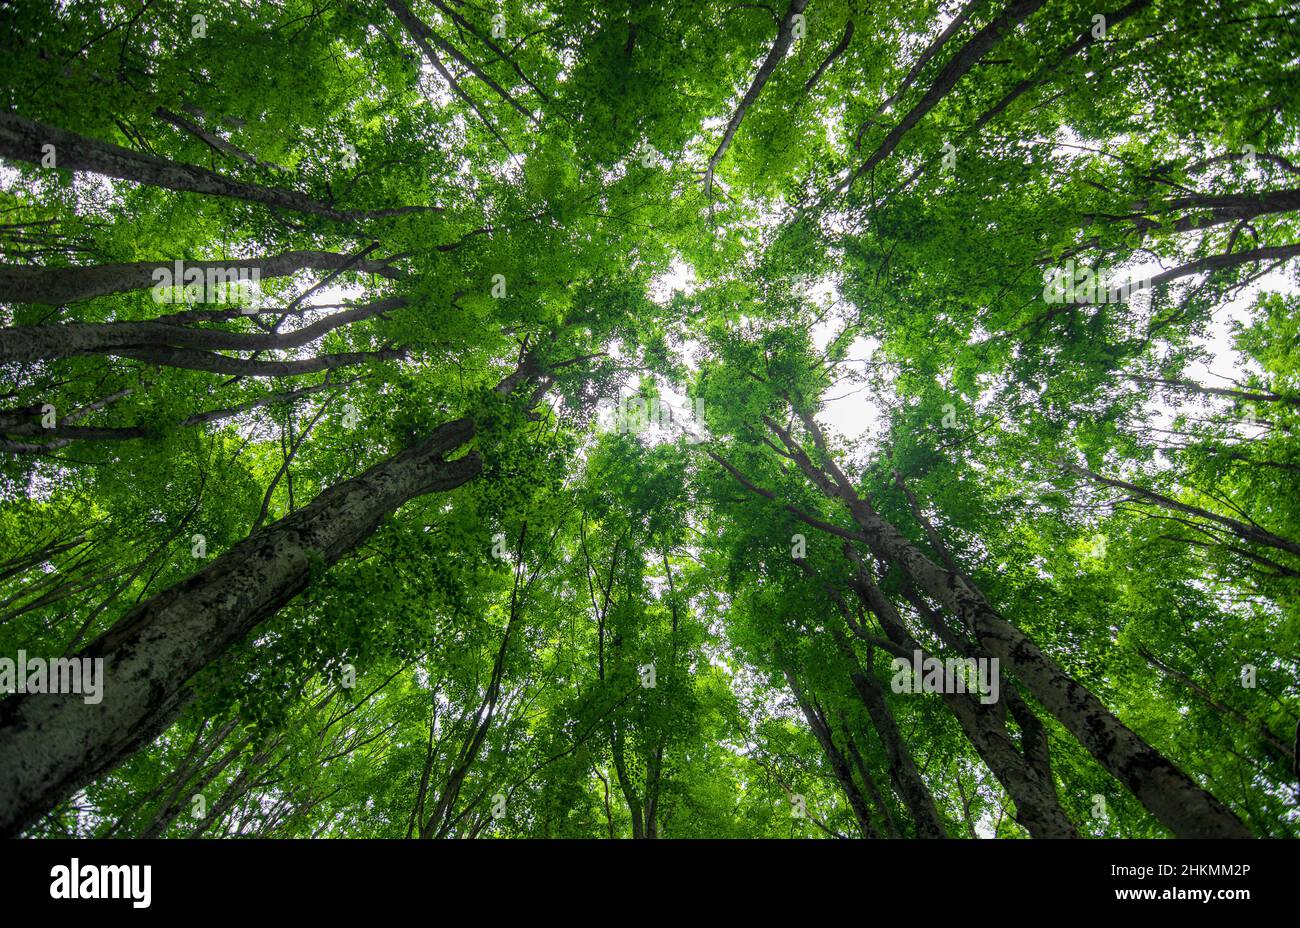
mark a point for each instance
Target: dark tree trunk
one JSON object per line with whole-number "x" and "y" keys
{"x": 834, "y": 756}
{"x": 58, "y": 285}
{"x": 51, "y": 745}
{"x": 70, "y": 339}
{"x": 24, "y": 140}
{"x": 1165, "y": 790}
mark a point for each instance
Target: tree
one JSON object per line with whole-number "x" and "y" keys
{"x": 445, "y": 420}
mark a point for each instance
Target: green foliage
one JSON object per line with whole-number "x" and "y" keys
{"x": 480, "y": 664}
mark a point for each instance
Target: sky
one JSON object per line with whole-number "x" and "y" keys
{"x": 852, "y": 411}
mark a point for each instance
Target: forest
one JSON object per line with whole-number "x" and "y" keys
{"x": 806, "y": 419}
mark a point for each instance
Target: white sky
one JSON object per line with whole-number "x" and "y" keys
{"x": 852, "y": 410}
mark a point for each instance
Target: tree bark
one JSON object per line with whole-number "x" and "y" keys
{"x": 58, "y": 285}
{"x": 1168, "y": 793}
{"x": 24, "y": 140}
{"x": 869, "y": 782}
{"x": 1251, "y": 533}
{"x": 51, "y": 745}
{"x": 188, "y": 359}
{"x": 962, "y": 61}
{"x": 902, "y": 769}
{"x": 784, "y": 36}
{"x": 931, "y": 50}
{"x": 835, "y": 757}
{"x": 1025, "y": 775}
{"x": 70, "y": 339}
{"x": 625, "y": 784}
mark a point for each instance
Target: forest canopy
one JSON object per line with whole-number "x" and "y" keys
{"x": 807, "y": 418}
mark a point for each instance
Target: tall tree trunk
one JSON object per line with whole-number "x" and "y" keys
{"x": 781, "y": 45}
{"x": 869, "y": 783}
{"x": 1025, "y": 775}
{"x": 839, "y": 766}
{"x": 58, "y": 285}
{"x": 1168, "y": 793}
{"x": 630, "y": 794}
{"x": 902, "y": 769}
{"x": 1252, "y": 533}
{"x": 189, "y": 359}
{"x": 70, "y": 339}
{"x": 24, "y": 140}
{"x": 51, "y": 745}
{"x": 962, "y": 61}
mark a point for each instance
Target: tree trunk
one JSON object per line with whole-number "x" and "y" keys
{"x": 191, "y": 360}
{"x": 1025, "y": 775}
{"x": 1169, "y": 794}
{"x": 869, "y": 782}
{"x": 630, "y": 795}
{"x": 902, "y": 769}
{"x": 784, "y": 36}
{"x": 1251, "y": 533}
{"x": 70, "y": 339}
{"x": 24, "y": 140}
{"x": 51, "y": 745}
{"x": 962, "y": 61}
{"x": 58, "y": 285}
{"x": 835, "y": 757}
